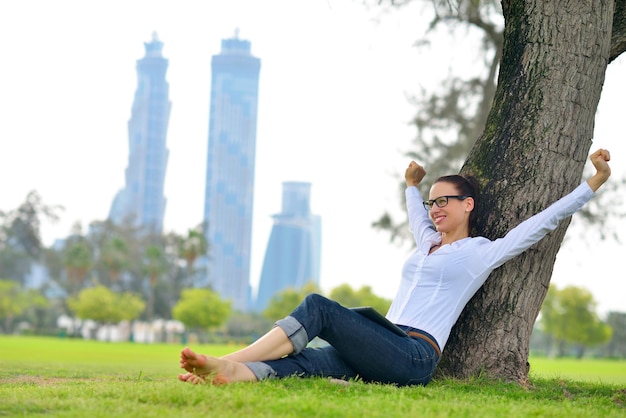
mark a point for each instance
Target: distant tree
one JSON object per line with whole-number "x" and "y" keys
{"x": 617, "y": 345}
{"x": 192, "y": 246}
{"x": 14, "y": 302}
{"x": 127, "y": 257}
{"x": 102, "y": 305}
{"x": 155, "y": 264}
{"x": 550, "y": 321}
{"x": 23, "y": 224}
{"x": 347, "y": 296}
{"x": 53, "y": 262}
{"x": 42, "y": 317}
{"x": 128, "y": 306}
{"x": 77, "y": 259}
{"x": 178, "y": 274}
{"x": 540, "y": 342}
{"x": 569, "y": 315}
{"x": 20, "y": 235}
{"x": 10, "y": 305}
{"x": 247, "y": 326}
{"x": 15, "y": 264}
{"x": 201, "y": 309}
{"x": 118, "y": 255}
{"x": 115, "y": 258}
{"x": 283, "y": 303}
{"x": 124, "y": 258}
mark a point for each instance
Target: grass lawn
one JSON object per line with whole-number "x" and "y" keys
{"x": 588, "y": 370}
{"x": 49, "y": 377}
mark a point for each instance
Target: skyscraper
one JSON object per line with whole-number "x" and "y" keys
{"x": 230, "y": 169}
{"x": 292, "y": 258}
{"x": 142, "y": 199}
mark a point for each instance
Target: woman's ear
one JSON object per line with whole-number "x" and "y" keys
{"x": 469, "y": 204}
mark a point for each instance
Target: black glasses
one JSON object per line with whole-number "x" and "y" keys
{"x": 441, "y": 201}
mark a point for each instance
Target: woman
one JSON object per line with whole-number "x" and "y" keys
{"x": 438, "y": 279}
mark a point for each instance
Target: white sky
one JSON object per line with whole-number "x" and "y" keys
{"x": 332, "y": 111}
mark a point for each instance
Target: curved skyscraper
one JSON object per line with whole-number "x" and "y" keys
{"x": 230, "y": 169}
{"x": 292, "y": 258}
{"x": 142, "y": 199}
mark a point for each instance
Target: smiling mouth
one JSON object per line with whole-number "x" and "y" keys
{"x": 439, "y": 219}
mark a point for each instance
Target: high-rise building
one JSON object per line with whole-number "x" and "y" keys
{"x": 230, "y": 169}
{"x": 142, "y": 200}
{"x": 292, "y": 258}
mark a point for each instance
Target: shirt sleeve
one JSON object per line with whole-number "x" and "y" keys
{"x": 533, "y": 229}
{"x": 421, "y": 226}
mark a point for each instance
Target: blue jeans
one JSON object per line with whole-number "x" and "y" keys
{"x": 358, "y": 347}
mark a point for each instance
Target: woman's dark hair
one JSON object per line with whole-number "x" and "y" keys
{"x": 466, "y": 185}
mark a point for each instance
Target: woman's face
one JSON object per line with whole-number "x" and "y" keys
{"x": 455, "y": 214}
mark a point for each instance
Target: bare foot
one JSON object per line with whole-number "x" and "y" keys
{"x": 191, "y": 361}
{"x": 192, "y": 378}
{"x": 204, "y": 369}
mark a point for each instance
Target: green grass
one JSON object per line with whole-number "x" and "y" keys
{"x": 589, "y": 370}
{"x": 42, "y": 377}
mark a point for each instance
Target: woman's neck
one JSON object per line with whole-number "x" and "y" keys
{"x": 450, "y": 237}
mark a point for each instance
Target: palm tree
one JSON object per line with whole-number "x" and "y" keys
{"x": 77, "y": 261}
{"x": 115, "y": 258}
{"x": 155, "y": 264}
{"x": 192, "y": 246}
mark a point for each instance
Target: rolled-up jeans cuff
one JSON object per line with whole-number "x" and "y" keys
{"x": 261, "y": 370}
{"x": 295, "y": 332}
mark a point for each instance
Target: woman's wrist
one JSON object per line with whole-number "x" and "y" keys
{"x": 597, "y": 181}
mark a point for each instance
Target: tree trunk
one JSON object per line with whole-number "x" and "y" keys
{"x": 532, "y": 152}
{"x": 618, "y": 36}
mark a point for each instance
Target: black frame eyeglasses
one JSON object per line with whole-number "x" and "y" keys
{"x": 441, "y": 201}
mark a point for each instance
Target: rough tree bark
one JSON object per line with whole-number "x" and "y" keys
{"x": 618, "y": 35}
{"x": 532, "y": 152}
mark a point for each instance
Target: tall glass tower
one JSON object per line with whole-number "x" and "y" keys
{"x": 292, "y": 258}
{"x": 230, "y": 169}
{"x": 142, "y": 201}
